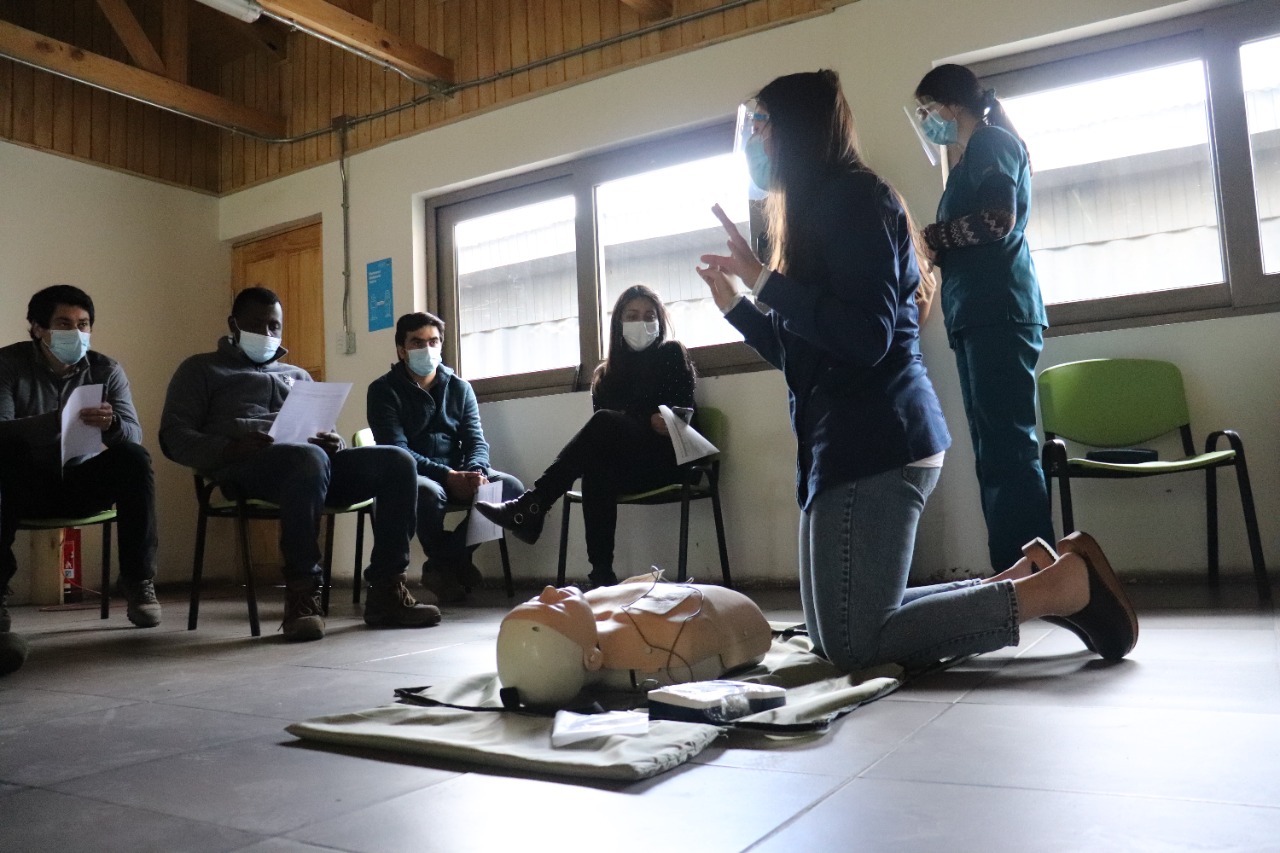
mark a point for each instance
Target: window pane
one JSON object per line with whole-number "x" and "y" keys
{"x": 652, "y": 229}
{"x": 1260, "y": 68}
{"x": 518, "y": 290}
{"x": 1123, "y": 193}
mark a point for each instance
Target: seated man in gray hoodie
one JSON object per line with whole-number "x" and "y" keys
{"x": 36, "y": 377}
{"x": 217, "y": 414}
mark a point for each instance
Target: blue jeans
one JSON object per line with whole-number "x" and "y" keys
{"x": 856, "y": 541}
{"x": 446, "y": 545}
{"x": 303, "y": 479}
{"x": 997, "y": 366}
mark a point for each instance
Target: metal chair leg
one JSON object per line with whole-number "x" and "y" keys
{"x": 714, "y": 478}
{"x": 250, "y": 594}
{"x": 1211, "y": 521}
{"x": 1251, "y": 529}
{"x": 564, "y": 541}
{"x": 506, "y": 566}
{"x": 197, "y": 569}
{"x": 357, "y": 572}
{"x": 684, "y": 535}
{"x": 326, "y": 570}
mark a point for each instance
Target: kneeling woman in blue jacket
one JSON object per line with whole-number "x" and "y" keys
{"x": 842, "y": 326}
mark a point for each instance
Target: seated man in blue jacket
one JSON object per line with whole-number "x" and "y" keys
{"x": 424, "y": 407}
{"x": 36, "y": 377}
{"x": 217, "y": 418}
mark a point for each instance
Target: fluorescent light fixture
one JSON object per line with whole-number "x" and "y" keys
{"x": 246, "y": 10}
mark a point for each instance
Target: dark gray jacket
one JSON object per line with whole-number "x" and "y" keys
{"x": 32, "y": 397}
{"x": 215, "y": 397}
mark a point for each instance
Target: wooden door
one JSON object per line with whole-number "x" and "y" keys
{"x": 290, "y": 264}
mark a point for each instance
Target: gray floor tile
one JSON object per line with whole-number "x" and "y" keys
{"x": 69, "y": 747}
{"x": 1148, "y": 752}
{"x": 21, "y": 706}
{"x": 899, "y": 817}
{"x": 298, "y": 693}
{"x": 44, "y": 820}
{"x": 708, "y": 809}
{"x": 265, "y": 785}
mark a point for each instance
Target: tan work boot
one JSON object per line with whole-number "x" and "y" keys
{"x": 143, "y": 609}
{"x": 303, "y": 616}
{"x": 388, "y": 604}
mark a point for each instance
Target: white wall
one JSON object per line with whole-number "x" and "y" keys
{"x": 880, "y": 47}
{"x": 148, "y": 256}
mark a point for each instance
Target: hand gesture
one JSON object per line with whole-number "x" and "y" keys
{"x": 246, "y": 445}
{"x": 741, "y": 260}
{"x": 462, "y": 486}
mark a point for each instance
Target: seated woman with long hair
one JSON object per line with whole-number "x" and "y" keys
{"x": 624, "y": 447}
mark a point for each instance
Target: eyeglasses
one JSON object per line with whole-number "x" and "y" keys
{"x": 922, "y": 111}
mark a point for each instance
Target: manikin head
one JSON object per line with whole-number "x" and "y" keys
{"x": 547, "y": 645}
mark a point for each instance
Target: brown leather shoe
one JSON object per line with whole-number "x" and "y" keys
{"x": 1108, "y": 620}
{"x": 1042, "y": 557}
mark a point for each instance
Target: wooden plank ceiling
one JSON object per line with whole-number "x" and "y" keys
{"x": 76, "y": 70}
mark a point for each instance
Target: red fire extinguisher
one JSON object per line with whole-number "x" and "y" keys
{"x": 72, "y": 589}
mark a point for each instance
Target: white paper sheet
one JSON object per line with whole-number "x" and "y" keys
{"x": 311, "y": 407}
{"x": 689, "y": 444}
{"x": 479, "y": 528}
{"x": 78, "y": 438}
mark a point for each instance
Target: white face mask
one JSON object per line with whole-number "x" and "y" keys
{"x": 640, "y": 334}
{"x": 68, "y": 345}
{"x": 259, "y": 348}
{"x": 423, "y": 362}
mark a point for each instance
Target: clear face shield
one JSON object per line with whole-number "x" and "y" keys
{"x": 751, "y": 118}
{"x": 916, "y": 114}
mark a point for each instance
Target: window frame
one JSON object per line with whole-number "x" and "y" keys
{"x": 1214, "y": 37}
{"x": 578, "y": 177}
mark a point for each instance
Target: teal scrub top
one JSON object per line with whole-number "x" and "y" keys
{"x": 994, "y": 282}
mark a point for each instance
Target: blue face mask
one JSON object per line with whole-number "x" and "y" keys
{"x": 939, "y": 130}
{"x": 258, "y": 348}
{"x": 423, "y": 361}
{"x": 758, "y": 164}
{"x": 68, "y": 345}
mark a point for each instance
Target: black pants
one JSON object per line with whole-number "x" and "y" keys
{"x": 120, "y": 475}
{"x": 614, "y": 454}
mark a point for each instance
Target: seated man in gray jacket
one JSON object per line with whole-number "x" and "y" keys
{"x": 424, "y": 407}
{"x": 36, "y": 377}
{"x": 217, "y": 414}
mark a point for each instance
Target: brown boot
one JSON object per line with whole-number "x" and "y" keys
{"x": 388, "y": 604}
{"x": 303, "y": 617}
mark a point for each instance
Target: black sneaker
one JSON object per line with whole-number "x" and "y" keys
{"x": 13, "y": 652}
{"x": 144, "y": 609}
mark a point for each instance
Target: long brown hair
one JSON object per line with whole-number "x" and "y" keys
{"x": 814, "y": 140}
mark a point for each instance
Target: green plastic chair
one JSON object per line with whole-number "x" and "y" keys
{"x": 364, "y": 438}
{"x": 105, "y": 518}
{"x": 245, "y": 509}
{"x": 1121, "y": 402}
{"x": 699, "y": 480}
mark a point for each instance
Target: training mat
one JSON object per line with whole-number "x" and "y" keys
{"x": 817, "y": 694}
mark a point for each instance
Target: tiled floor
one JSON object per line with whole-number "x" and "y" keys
{"x": 113, "y": 738}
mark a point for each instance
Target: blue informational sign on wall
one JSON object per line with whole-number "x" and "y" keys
{"x": 380, "y": 307}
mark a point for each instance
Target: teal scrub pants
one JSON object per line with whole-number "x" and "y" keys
{"x": 997, "y": 366}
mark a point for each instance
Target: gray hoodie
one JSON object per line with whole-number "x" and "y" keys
{"x": 216, "y": 397}
{"x": 32, "y": 397}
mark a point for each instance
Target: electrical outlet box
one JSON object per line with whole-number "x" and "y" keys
{"x": 350, "y": 343}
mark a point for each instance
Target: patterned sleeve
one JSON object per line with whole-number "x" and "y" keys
{"x": 995, "y": 159}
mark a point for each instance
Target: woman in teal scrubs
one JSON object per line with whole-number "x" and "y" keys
{"x": 991, "y": 301}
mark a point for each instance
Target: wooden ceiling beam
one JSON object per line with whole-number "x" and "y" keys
{"x": 174, "y": 35}
{"x": 135, "y": 40}
{"x": 650, "y": 10}
{"x": 40, "y": 51}
{"x": 356, "y": 32}
{"x": 363, "y": 8}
